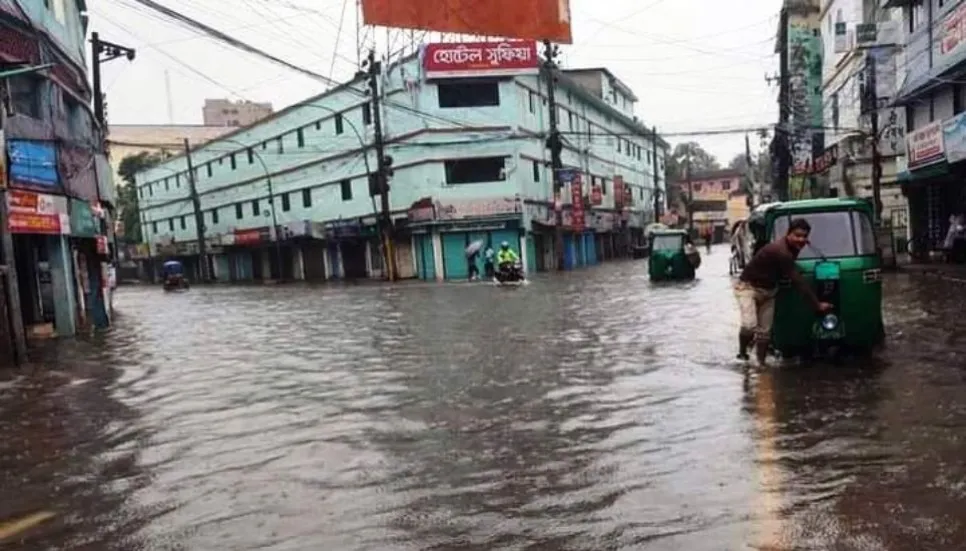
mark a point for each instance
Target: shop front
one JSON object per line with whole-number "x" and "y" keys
{"x": 247, "y": 254}
{"x": 40, "y": 226}
{"x": 441, "y": 232}
{"x": 91, "y": 254}
{"x": 933, "y": 183}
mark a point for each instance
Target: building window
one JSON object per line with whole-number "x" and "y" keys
{"x": 725, "y": 185}
{"x": 231, "y": 158}
{"x": 536, "y": 171}
{"x": 474, "y": 171}
{"x": 306, "y": 198}
{"x": 618, "y": 142}
{"x": 648, "y": 156}
{"x": 171, "y": 224}
{"x": 281, "y": 147}
{"x": 603, "y": 186}
{"x": 346, "y": 186}
{"x": 251, "y": 155}
{"x": 366, "y": 114}
{"x": 214, "y": 216}
{"x": 154, "y": 228}
{"x": 531, "y": 98}
{"x": 183, "y": 224}
{"x": 238, "y": 211}
{"x": 300, "y": 137}
{"x": 338, "y": 124}
{"x": 166, "y": 186}
{"x": 468, "y": 93}
{"x": 208, "y": 169}
{"x": 318, "y": 125}
{"x": 256, "y": 209}
{"x": 25, "y": 94}
{"x": 177, "y": 179}
{"x": 286, "y": 205}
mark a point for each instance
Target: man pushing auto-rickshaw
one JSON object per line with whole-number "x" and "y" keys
{"x": 757, "y": 288}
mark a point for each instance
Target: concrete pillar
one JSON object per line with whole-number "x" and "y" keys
{"x": 438, "y": 255}
{"x": 64, "y": 287}
{"x": 369, "y": 271}
{"x": 523, "y": 252}
{"x": 412, "y": 247}
{"x": 298, "y": 264}
{"x": 327, "y": 263}
{"x": 340, "y": 265}
{"x": 266, "y": 260}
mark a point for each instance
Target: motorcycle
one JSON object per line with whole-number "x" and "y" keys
{"x": 510, "y": 274}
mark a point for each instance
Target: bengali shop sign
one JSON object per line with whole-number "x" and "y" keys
{"x": 953, "y": 31}
{"x": 37, "y": 213}
{"x": 475, "y": 59}
{"x": 577, "y": 202}
{"x": 925, "y": 145}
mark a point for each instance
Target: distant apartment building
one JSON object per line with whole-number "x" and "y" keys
{"x": 290, "y": 197}
{"x": 717, "y": 200}
{"x": 223, "y": 112}
{"x": 166, "y": 139}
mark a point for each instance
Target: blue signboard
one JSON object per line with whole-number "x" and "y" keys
{"x": 33, "y": 163}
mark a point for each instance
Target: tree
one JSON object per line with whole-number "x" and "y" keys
{"x": 127, "y": 194}
{"x": 701, "y": 161}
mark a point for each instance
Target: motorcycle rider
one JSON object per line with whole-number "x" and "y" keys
{"x": 506, "y": 257}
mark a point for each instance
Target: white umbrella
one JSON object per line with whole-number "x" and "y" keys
{"x": 474, "y": 247}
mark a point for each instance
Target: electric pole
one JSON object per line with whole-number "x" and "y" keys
{"x": 8, "y": 267}
{"x": 687, "y": 173}
{"x": 749, "y": 172}
{"x": 555, "y": 144}
{"x": 384, "y": 170}
{"x": 199, "y": 216}
{"x": 873, "y": 106}
{"x": 102, "y": 52}
{"x": 657, "y": 187}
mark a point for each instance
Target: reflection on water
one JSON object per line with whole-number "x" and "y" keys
{"x": 588, "y": 411}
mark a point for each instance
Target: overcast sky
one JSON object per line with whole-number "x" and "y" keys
{"x": 695, "y": 64}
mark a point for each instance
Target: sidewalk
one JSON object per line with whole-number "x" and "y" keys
{"x": 949, "y": 272}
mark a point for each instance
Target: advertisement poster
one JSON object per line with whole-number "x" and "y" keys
{"x": 577, "y": 202}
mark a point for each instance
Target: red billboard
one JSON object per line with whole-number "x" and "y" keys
{"x": 528, "y": 19}
{"x": 577, "y": 202}
{"x": 462, "y": 59}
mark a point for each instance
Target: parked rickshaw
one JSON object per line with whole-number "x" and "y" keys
{"x": 672, "y": 257}
{"x": 172, "y": 276}
{"x": 843, "y": 265}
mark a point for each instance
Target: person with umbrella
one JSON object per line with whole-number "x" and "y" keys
{"x": 472, "y": 253}
{"x": 488, "y": 255}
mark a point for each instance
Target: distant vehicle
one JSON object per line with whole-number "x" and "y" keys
{"x": 172, "y": 275}
{"x": 510, "y": 274}
{"x": 842, "y": 263}
{"x": 672, "y": 256}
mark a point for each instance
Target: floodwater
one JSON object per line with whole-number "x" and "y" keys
{"x": 588, "y": 411}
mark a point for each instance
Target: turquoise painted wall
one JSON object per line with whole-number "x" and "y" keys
{"x": 62, "y": 280}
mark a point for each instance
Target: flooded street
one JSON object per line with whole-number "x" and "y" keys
{"x": 588, "y": 411}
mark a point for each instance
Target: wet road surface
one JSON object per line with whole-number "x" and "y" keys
{"x": 588, "y": 411}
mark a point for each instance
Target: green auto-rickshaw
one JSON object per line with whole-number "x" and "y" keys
{"x": 670, "y": 258}
{"x": 842, "y": 264}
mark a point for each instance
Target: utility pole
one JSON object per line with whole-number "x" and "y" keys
{"x": 873, "y": 106}
{"x": 384, "y": 170}
{"x": 199, "y": 216}
{"x": 749, "y": 172}
{"x": 8, "y": 268}
{"x": 657, "y": 188}
{"x": 687, "y": 172}
{"x": 555, "y": 144}
{"x": 102, "y": 52}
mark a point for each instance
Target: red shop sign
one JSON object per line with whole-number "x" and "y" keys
{"x": 442, "y": 60}
{"x": 577, "y": 202}
{"x": 596, "y": 195}
{"x": 248, "y": 237}
{"x": 618, "y": 191}
{"x": 34, "y": 213}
